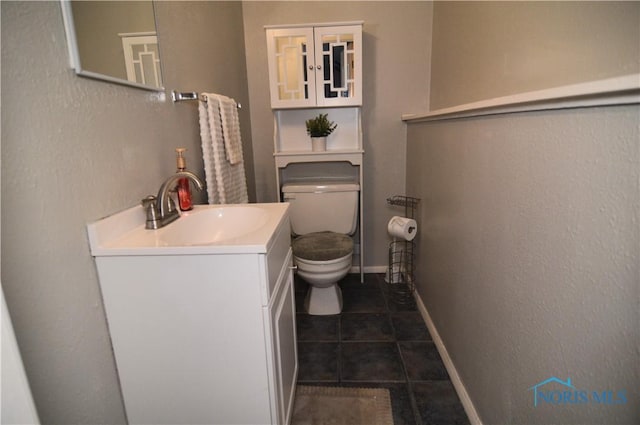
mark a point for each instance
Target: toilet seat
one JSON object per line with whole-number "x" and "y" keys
{"x": 322, "y": 246}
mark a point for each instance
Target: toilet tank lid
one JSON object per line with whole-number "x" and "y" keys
{"x": 315, "y": 186}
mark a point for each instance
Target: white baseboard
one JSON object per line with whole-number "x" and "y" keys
{"x": 469, "y": 408}
{"x": 369, "y": 269}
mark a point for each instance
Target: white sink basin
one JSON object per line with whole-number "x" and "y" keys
{"x": 204, "y": 226}
{"x": 207, "y": 229}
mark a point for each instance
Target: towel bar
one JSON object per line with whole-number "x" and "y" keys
{"x": 177, "y": 96}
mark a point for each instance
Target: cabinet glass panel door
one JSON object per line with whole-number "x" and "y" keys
{"x": 292, "y": 63}
{"x": 339, "y": 67}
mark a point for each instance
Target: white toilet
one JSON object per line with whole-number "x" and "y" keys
{"x": 324, "y": 213}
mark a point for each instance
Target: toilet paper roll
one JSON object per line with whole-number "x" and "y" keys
{"x": 402, "y": 228}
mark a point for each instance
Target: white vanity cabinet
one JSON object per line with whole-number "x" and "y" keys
{"x": 315, "y": 65}
{"x": 204, "y": 338}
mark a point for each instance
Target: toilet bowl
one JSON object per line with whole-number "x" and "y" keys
{"x": 322, "y": 259}
{"x": 322, "y": 274}
{"x": 324, "y": 296}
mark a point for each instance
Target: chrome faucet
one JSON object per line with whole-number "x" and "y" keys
{"x": 161, "y": 210}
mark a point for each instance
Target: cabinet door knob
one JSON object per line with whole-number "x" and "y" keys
{"x": 311, "y": 67}
{"x": 319, "y": 66}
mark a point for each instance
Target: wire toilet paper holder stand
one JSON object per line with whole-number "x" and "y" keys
{"x": 400, "y": 274}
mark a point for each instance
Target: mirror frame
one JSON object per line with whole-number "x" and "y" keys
{"x": 74, "y": 55}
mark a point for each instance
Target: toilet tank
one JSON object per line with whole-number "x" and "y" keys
{"x": 318, "y": 206}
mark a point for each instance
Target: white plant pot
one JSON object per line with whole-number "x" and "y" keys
{"x": 319, "y": 144}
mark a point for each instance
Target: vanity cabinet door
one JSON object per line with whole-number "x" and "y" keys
{"x": 315, "y": 66}
{"x": 283, "y": 331}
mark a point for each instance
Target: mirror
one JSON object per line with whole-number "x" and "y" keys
{"x": 114, "y": 41}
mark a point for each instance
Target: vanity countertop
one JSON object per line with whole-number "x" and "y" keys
{"x": 207, "y": 229}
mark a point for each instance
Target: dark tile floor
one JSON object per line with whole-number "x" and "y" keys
{"x": 376, "y": 343}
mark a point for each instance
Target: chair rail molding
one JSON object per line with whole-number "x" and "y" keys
{"x": 623, "y": 90}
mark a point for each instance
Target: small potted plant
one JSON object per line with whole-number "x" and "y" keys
{"x": 319, "y": 128}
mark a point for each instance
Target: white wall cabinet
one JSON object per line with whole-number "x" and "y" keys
{"x": 206, "y": 339}
{"x": 315, "y": 65}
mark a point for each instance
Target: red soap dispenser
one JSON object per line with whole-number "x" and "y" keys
{"x": 184, "y": 191}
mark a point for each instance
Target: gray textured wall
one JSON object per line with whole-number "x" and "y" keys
{"x": 529, "y": 255}
{"x": 75, "y": 150}
{"x": 493, "y": 49}
{"x": 529, "y": 247}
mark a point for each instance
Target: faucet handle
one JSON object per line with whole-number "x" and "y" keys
{"x": 149, "y": 200}
{"x": 149, "y": 204}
